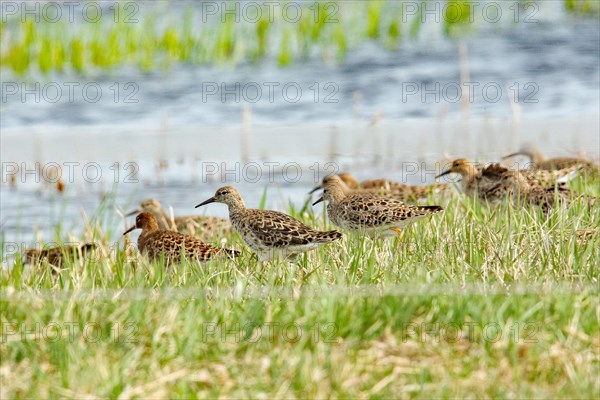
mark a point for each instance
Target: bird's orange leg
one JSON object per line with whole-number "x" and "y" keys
{"x": 397, "y": 230}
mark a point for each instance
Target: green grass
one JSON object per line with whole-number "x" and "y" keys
{"x": 582, "y": 7}
{"x": 475, "y": 302}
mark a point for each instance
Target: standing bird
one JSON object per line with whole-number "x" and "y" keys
{"x": 347, "y": 183}
{"x": 369, "y": 212}
{"x": 486, "y": 182}
{"x": 546, "y": 198}
{"x": 157, "y": 243}
{"x": 385, "y": 187}
{"x": 270, "y": 234}
{"x": 483, "y": 182}
{"x": 538, "y": 161}
{"x": 204, "y": 227}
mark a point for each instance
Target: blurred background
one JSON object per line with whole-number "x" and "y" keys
{"x": 105, "y": 104}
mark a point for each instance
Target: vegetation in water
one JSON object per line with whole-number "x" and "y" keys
{"x": 156, "y": 36}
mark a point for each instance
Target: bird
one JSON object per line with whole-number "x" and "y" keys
{"x": 368, "y": 212}
{"x": 538, "y": 196}
{"x": 388, "y": 185}
{"x": 538, "y": 161}
{"x": 476, "y": 181}
{"x": 157, "y": 243}
{"x": 385, "y": 187}
{"x": 269, "y": 234}
{"x": 347, "y": 183}
{"x": 353, "y": 183}
{"x": 486, "y": 183}
{"x": 56, "y": 255}
{"x": 204, "y": 227}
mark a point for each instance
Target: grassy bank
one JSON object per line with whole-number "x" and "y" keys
{"x": 477, "y": 301}
{"x": 210, "y": 344}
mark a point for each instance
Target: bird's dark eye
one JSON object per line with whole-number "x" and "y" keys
{"x": 224, "y": 192}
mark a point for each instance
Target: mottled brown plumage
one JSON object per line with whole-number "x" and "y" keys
{"x": 203, "y": 227}
{"x": 545, "y": 198}
{"x": 56, "y": 255}
{"x": 270, "y": 234}
{"x": 386, "y": 187}
{"x": 369, "y": 212}
{"x": 486, "y": 181}
{"x": 538, "y": 161}
{"x": 481, "y": 182}
{"x": 157, "y": 243}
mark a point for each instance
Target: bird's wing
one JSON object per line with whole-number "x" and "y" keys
{"x": 173, "y": 243}
{"x": 368, "y": 210}
{"x": 277, "y": 229}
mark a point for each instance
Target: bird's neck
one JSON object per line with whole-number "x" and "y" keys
{"x": 345, "y": 188}
{"x": 469, "y": 172}
{"x": 337, "y": 194}
{"x": 149, "y": 228}
{"x": 236, "y": 206}
{"x": 522, "y": 184}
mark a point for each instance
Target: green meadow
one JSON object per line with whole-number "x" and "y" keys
{"x": 477, "y": 301}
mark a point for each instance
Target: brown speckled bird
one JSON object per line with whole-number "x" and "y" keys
{"x": 369, "y": 212}
{"x": 346, "y": 182}
{"x": 204, "y": 227}
{"x": 486, "y": 181}
{"x": 270, "y": 234}
{"x": 481, "y": 182}
{"x": 545, "y": 198}
{"x": 385, "y": 187}
{"x": 157, "y": 243}
{"x": 56, "y": 255}
{"x": 538, "y": 161}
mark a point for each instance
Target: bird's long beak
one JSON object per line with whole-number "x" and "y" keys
{"x": 134, "y": 212}
{"x": 205, "y": 202}
{"x": 320, "y": 199}
{"x": 315, "y": 189}
{"x": 443, "y": 173}
{"x": 518, "y": 153}
{"x": 129, "y": 230}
